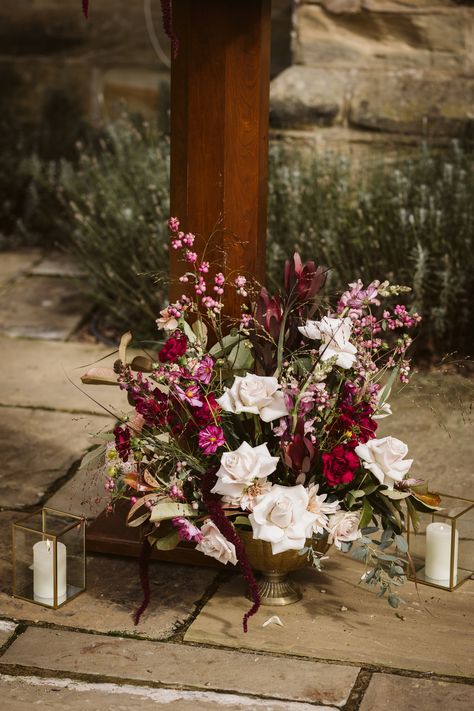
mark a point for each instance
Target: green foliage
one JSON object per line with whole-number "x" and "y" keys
{"x": 118, "y": 201}
{"x": 410, "y": 221}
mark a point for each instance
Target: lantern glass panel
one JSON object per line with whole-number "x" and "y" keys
{"x": 49, "y": 565}
{"x": 442, "y": 549}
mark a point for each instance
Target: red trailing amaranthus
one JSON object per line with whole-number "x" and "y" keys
{"x": 216, "y": 512}
{"x": 167, "y": 13}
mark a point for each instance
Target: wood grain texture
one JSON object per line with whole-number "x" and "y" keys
{"x": 219, "y": 134}
{"x": 219, "y": 156}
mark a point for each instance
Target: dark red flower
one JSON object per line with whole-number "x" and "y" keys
{"x": 303, "y": 281}
{"x": 340, "y": 465}
{"x": 269, "y": 313}
{"x": 173, "y": 349}
{"x": 358, "y": 419}
{"x": 122, "y": 442}
{"x": 209, "y": 412}
{"x": 299, "y": 452}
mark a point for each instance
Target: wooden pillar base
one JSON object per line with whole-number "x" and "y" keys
{"x": 109, "y": 534}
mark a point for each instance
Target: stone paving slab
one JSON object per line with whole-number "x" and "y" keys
{"x": 432, "y": 633}
{"x": 84, "y": 493}
{"x": 7, "y": 629}
{"x": 190, "y": 667}
{"x": 39, "y": 375}
{"x": 387, "y": 692}
{"x": 56, "y": 264}
{"x": 38, "y": 448}
{"x": 434, "y": 416}
{"x": 113, "y": 594}
{"x": 15, "y": 263}
{"x": 42, "y": 307}
{"x": 23, "y": 693}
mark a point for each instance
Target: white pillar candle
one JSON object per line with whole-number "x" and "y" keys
{"x": 43, "y": 572}
{"x": 438, "y": 553}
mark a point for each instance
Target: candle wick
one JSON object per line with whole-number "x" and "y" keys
{"x": 48, "y": 544}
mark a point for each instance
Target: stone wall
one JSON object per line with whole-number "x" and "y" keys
{"x": 57, "y": 69}
{"x": 398, "y": 67}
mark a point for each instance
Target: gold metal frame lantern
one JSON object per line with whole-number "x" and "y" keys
{"x": 49, "y": 560}
{"x": 441, "y": 550}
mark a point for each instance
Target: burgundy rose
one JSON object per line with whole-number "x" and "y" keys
{"x": 173, "y": 349}
{"x": 340, "y": 465}
{"x": 122, "y": 442}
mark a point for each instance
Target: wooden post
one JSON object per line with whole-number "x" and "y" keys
{"x": 219, "y": 132}
{"x": 219, "y": 153}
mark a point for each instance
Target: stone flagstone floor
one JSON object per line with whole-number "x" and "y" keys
{"x": 188, "y": 651}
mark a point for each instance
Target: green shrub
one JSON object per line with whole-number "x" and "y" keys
{"x": 117, "y": 205}
{"x": 410, "y": 221}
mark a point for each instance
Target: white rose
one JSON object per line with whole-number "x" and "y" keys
{"x": 334, "y": 334}
{"x": 215, "y": 545}
{"x": 343, "y": 527}
{"x": 385, "y": 459}
{"x": 240, "y": 468}
{"x": 281, "y": 518}
{"x": 258, "y": 394}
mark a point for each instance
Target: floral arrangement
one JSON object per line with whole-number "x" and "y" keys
{"x": 271, "y": 426}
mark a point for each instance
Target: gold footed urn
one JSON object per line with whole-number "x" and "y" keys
{"x": 274, "y": 586}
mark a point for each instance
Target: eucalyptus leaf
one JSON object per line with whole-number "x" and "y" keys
{"x": 394, "y": 494}
{"x": 366, "y": 515}
{"x": 139, "y": 520}
{"x": 393, "y": 600}
{"x": 242, "y": 521}
{"x": 200, "y": 329}
{"x": 225, "y": 345}
{"x": 358, "y": 493}
{"x": 168, "y": 542}
{"x": 169, "y": 509}
{"x": 360, "y": 553}
{"x": 388, "y": 387}
{"x": 189, "y": 333}
{"x": 401, "y": 543}
{"x": 93, "y": 459}
{"x": 241, "y": 357}
{"x": 397, "y": 570}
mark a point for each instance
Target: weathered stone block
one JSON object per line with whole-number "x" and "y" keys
{"x": 196, "y": 668}
{"x": 420, "y": 694}
{"x": 413, "y": 103}
{"x": 43, "y": 307}
{"x": 370, "y": 39}
{"x": 38, "y": 448}
{"x": 305, "y": 96}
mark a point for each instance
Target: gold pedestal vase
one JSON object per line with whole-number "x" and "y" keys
{"x": 274, "y": 586}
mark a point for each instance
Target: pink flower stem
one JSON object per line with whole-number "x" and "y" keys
{"x": 214, "y": 507}
{"x": 144, "y": 564}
